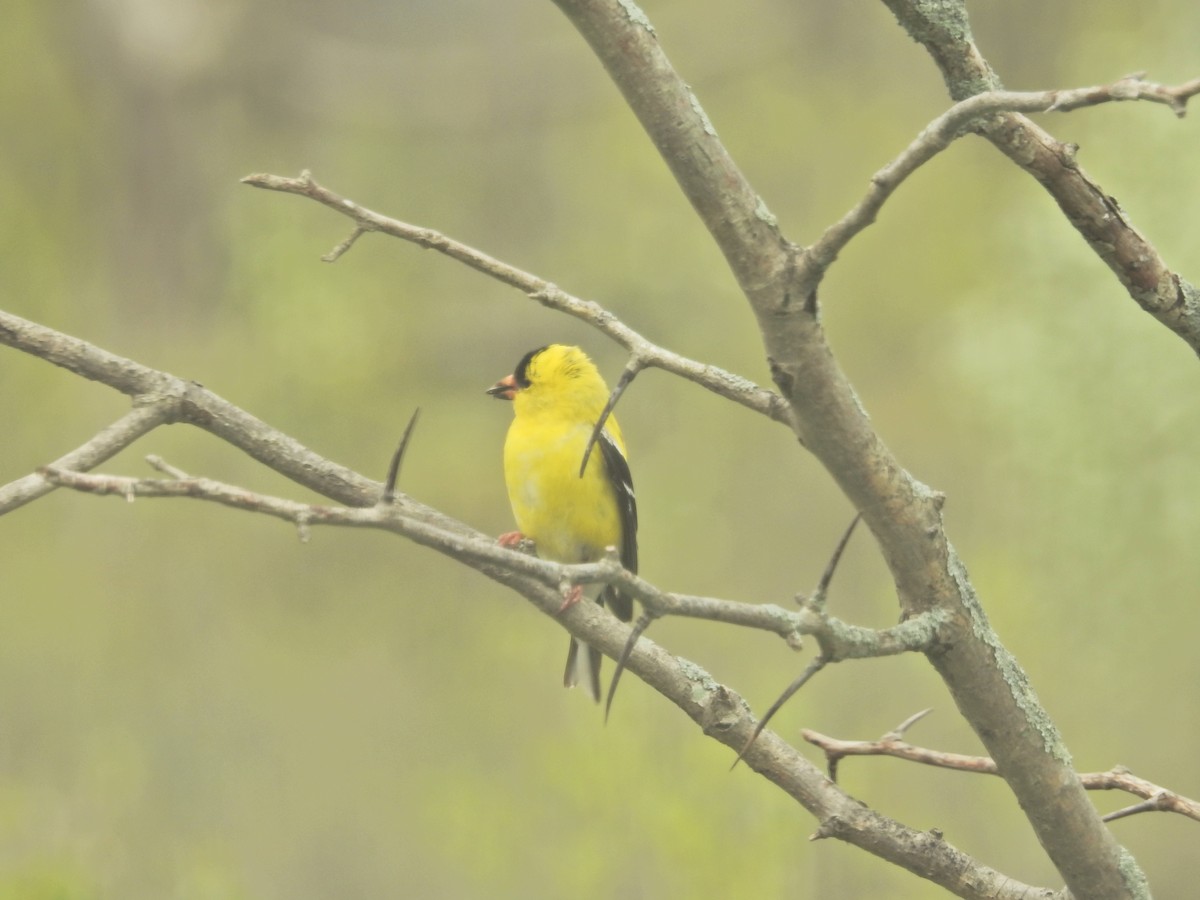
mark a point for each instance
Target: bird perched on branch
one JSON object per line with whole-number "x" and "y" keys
{"x": 570, "y": 512}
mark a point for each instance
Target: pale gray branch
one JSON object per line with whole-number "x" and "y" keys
{"x": 103, "y": 446}
{"x": 839, "y": 640}
{"x": 944, "y": 29}
{"x": 1156, "y": 798}
{"x": 904, "y": 515}
{"x": 722, "y": 383}
{"x": 722, "y": 714}
{"x": 953, "y": 124}
{"x": 179, "y": 400}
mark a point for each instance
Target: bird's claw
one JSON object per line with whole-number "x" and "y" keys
{"x": 510, "y": 539}
{"x": 574, "y": 595}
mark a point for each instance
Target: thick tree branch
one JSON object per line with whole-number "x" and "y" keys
{"x": 178, "y": 400}
{"x": 944, "y": 30}
{"x": 943, "y": 617}
{"x": 722, "y": 383}
{"x": 720, "y": 713}
{"x": 744, "y": 229}
{"x": 988, "y": 685}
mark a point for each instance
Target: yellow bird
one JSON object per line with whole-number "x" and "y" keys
{"x": 558, "y": 395}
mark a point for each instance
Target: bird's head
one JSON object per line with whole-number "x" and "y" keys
{"x": 556, "y": 375}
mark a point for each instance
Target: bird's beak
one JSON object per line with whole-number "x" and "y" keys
{"x": 504, "y": 389}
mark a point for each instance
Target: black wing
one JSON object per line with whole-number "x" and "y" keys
{"x": 622, "y": 482}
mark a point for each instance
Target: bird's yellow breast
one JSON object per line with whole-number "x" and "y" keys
{"x": 571, "y": 519}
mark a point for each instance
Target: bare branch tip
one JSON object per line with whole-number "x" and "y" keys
{"x": 1151, "y": 805}
{"x": 303, "y": 526}
{"x": 393, "y": 473}
{"x": 749, "y": 743}
{"x": 898, "y": 732}
{"x": 639, "y": 628}
{"x": 815, "y": 666}
{"x": 824, "y": 830}
{"x": 635, "y": 365}
{"x": 817, "y": 600}
{"x": 159, "y": 464}
{"x": 337, "y": 252}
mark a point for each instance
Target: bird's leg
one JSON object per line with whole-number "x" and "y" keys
{"x": 574, "y": 595}
{"x": 510, "y": 539}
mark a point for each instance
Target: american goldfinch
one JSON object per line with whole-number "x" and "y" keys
{"x": 558, "y": 395}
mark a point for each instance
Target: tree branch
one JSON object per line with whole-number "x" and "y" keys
{"x": 720, "y": 713}
{"x": 988, "y": 685}
{"x": 944, "y": 619}
{"x": 842, "y": 640}
{"x": 179, "y": 400}
{"x": 103, "y": 446}
{"x": 1157, "y": 799}
{"x": 838, "y": 640}
{"x": 722, "y": 383}
{"x": 944, "y": 30}
{"x": 955, "y": 123}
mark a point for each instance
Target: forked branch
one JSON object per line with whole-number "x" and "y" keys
{"x": 955, "y": 123}
{"x": 944, "y": 30}
{"x": 1154, "y": 797}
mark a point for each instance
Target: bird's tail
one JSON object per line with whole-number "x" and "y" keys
{"x": 583, "y": 667}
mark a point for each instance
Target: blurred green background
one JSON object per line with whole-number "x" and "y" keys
{"x": 194, "y": 704}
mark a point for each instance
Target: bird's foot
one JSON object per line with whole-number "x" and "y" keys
{"x": 510, "y": 539}
{"x": 574, "y": 595}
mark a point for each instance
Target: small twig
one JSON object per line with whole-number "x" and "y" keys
{"x": 140, "y": 420}
{"x": 336, "y": 253}
{"x": 816, "y": 600}
{"x": 393, "y": 473}
{"x": 1131, "y": 87}
{"x": 839, "y": 641}
{"x": 892, "y": 745}
{"x": 955, "y": 123}
{"x": 160, "y": 397}
{"x": 636, "y": 632}
{"x": 815, "y": 666}
{"x": 454, "y": 539}
{"x": 630, "y": 372}
{"x": 157, "y": 462}
{"x": 1155, "y": 798}
{"x": 481, "y": 552}
{"x": 1145, "y": 806}
{"x": 898, "y": 732}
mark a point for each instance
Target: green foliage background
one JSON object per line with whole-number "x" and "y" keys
{"x": 194, "y": 704}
